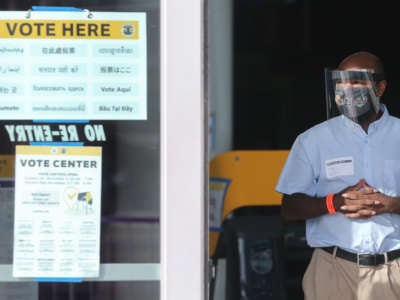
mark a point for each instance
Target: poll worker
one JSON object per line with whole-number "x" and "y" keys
{"x": 343, "y": 177}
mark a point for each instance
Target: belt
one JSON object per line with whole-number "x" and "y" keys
{"x": 364, "y": 259}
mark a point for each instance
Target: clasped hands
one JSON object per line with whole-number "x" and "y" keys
{"x": 364, "y": 201}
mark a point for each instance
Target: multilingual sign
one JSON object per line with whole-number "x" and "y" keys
{"x": 73, "y": 65}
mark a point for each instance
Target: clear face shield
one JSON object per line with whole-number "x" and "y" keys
{"x": 352, "y": 93}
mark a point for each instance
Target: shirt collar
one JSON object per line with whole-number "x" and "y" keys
{"x": 373, "y": 126}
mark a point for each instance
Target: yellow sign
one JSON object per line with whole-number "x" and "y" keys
{"x": 69, "y": 29}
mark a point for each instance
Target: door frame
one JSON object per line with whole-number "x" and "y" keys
{"x": 183, "y": 152}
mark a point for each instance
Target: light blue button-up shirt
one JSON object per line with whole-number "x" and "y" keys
{"x": 335, "y": 154}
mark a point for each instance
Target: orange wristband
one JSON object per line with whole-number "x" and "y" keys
{"x": 329, "y": 204}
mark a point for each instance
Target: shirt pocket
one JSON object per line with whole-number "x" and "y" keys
{"x": 391, "y": 175}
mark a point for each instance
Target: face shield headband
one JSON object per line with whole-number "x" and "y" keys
{"x": 351, "y": 93}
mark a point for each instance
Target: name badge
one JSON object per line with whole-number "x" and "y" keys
{"x": 341, "y": 166}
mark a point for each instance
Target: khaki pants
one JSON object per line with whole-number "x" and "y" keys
{"x": 331, "y": 278}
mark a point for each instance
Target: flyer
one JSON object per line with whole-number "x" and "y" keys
{"x": 57, "y": 212}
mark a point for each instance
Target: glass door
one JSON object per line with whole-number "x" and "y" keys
{"x": 82, "y": 88}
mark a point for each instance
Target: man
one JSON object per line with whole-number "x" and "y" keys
{"x": 343, "y": 177}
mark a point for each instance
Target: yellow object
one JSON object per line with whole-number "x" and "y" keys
{"x": 7, "y": 166}
{"x": 252, "y": 177}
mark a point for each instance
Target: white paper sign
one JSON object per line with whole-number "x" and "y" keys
{"x": 57, "y": 211}
{"x": 58, "y": 65}
{"x": 218, "y": 188}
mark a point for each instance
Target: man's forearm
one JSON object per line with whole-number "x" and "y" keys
{"x": 300, "y": 206}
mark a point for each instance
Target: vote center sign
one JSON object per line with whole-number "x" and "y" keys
{"x": 57, "y": 211}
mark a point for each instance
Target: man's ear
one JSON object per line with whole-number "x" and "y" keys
{"x": 381, "y": 87}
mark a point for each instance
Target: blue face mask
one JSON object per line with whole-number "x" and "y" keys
{"x": 355, "y": 102}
